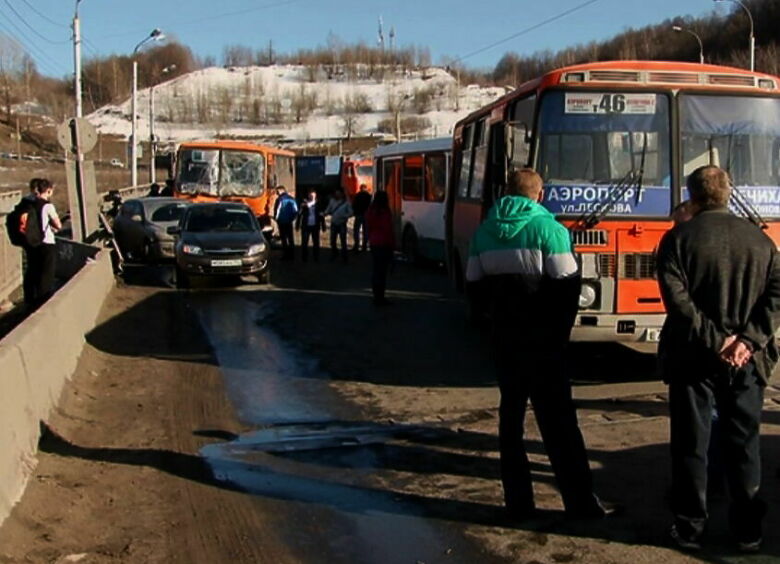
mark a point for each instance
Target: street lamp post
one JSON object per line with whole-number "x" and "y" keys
{"x": 752, "y": 36}
{"x": 678, "y": 29}
{"x": 152, "y": 142}
{"x": 155, "y": 35}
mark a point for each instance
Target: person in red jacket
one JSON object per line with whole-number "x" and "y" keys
{"x": 379, "y": 224}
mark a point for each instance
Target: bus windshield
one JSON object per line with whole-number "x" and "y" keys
{"x": 221, "y": 173}
{"x": 741, "y": 135}
{"x": 592, "y": 142}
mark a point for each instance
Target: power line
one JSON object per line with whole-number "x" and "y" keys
{"x": 44, "y": 16}
{"x": 38, "y": 61}
{"x": 526, "y": 30}
{"x": 40, "y": 54}
{"x": 35, "y": 31}
{"x": 210, "y": 18}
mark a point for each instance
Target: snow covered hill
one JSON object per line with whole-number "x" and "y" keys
{"x": 298, "y": 104}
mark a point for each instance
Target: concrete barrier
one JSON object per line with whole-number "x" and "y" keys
{"x": 36, "y": 359}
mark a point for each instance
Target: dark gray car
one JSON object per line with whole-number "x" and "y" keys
{"x": 220, "y": 239}
{"x": 141, "y": 228}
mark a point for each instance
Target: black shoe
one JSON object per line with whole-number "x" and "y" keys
{"x": 683, "y": 540}
{"x": 600, "y": 510}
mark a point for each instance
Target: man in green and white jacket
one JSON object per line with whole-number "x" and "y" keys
{"x": 522, "y": 265}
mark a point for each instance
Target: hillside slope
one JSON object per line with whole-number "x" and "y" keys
{"x": 296, "y": 103}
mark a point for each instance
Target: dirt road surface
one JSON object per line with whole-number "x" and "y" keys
{"x": 299, "y": 423}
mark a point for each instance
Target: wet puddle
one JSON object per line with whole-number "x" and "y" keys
{"x": 310, "y": 453}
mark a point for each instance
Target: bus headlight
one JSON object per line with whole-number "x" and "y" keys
{"x": 588, "y": 296}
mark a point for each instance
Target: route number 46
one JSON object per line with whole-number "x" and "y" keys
{"x": 611, "y": 104}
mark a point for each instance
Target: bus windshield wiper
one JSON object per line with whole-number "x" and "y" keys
{"x": 617, "y": 191}
{"x": 740, "y": 203}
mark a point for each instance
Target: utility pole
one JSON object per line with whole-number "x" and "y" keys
{"x": 18, "y": 140}
{"x": 77, "y": 60}
{"x": 152, "y": 140}
{"x": 270, "y": 52}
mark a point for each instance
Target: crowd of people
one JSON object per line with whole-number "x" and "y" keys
{"x": 372, "y": 228}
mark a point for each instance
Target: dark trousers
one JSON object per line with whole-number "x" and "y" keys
{"x": 312, "y": 232}
{"x": 359, "y": 232}
{"x": 39, "y": 277}
{"x": 381, "y": 257}
{"x": 32, "y": 275}
{"x": 287, "y": 236}
{"x": 338, "y": 232}
{"x": 739, "y": 396}
{"x": 531, "y": 374}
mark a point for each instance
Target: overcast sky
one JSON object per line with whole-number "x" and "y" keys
{"x": 454, "y": 28}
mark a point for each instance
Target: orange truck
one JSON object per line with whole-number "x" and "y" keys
{"x": 354, "y": 173}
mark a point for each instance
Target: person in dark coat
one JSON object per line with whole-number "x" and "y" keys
{"x": 720, "y": 282}
{"x": 360, "y": 204}
{"x": 310, "y": 223}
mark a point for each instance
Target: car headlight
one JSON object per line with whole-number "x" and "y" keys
{"x": 255, "y": 249}
{"x": 191, "y": 250}
{"x": 588, "y": 296}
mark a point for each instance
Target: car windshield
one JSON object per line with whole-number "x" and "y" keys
{"x": 592, "y": 143}
{"x": 204, "y": 219}
{"x": 221, "y": 173}
{"x": 168, "y": 213}
{"x": 741, "y": 135}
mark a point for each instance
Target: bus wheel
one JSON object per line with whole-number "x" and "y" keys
{"x": 409, "y": 246}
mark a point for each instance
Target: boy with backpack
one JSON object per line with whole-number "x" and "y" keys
{"x": 31, "y": 225}
{"x": 285, "y": 214}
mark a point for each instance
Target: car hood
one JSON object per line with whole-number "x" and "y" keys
{"x": 217, "y": 240}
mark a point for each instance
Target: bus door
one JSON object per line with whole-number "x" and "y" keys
{"x": 391, "y": 182}
{"x": 467, "y": 211}
{"x": 430, "y": 224}
{"x": 637, "y": 289}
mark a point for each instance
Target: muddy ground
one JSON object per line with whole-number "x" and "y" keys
{"x": 120, "y": 478}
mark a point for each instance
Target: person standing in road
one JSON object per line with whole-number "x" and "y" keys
{"x": 285, "y": 212}
{"x": 379, "y": 225}
{"x": 309, "y": 222}
{"x": 522, "y": 263}
{"x": 339, "y": 211}
{"x": 46, "y": 252}
{"x": 360, "y": 204}
{"x": 720, "y": 282}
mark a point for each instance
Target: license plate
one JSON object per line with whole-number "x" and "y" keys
{"x": 229, "y": 262}
{"x": 653, "y": 335}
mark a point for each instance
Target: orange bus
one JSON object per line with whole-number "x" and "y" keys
{"x": 354, "y": 173}
{"x": 233, "y": 171}
{"x": 614, "y": 142}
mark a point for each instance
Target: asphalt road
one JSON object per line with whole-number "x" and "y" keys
{"x": 299, "y": 423}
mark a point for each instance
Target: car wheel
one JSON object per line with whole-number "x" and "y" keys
{"x": 182, "y": 279}
{"x": 264, "y": 277}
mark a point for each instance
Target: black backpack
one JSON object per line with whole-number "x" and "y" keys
{"x": 23, "y": 224}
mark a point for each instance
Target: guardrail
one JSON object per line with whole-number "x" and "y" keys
{"x": 36, "y": 359}
{"x": 10, "y": 256}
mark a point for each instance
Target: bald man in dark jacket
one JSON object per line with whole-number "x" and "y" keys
{"x": 720, "y": 281}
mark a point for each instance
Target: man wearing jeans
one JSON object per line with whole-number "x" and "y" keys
{"x": 720, "y": 282}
